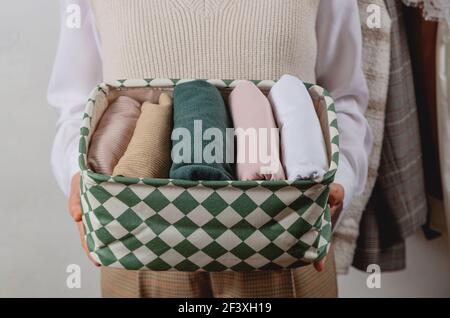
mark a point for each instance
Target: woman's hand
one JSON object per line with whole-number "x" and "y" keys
{"x": 76, "y": 213}
{"x": 336, "y": 202}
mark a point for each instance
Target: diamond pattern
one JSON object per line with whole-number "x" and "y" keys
{"x": 186, "y": 248}
{"x": 244, "y": 205}
{"x": 129, "y": 220}
{"x": 166, "y": 225}
{"x": 215, "y": 204}
{"x": 158, "y": 246}
{"x": 200, "y": 216}
{"x": 157, "y": 224}
{"x": 157, "y": 201}
{"x": 128, "y": 197}
{"x": 131, "y": 243}
{"x": 185, "y": 202}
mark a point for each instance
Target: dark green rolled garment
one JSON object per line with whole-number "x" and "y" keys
{"x": 200, "y": 101}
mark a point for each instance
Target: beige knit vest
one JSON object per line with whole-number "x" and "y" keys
{"x": 207, "y": 39}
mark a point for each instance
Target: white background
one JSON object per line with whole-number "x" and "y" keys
{"x": 37, "y": 237}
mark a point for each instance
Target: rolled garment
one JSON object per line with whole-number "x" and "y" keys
{"x": 258, "y": 158}
{"x": 303, "y": 148}
{"x": 199, "y": 110}
{"x": 115, "y": 129}
{"x": 148, "y": 154}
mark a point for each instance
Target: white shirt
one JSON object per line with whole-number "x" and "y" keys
{"x": 78, "y": 68}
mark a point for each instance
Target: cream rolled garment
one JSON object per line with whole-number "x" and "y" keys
{"x": 110, "y": 140}
{"x": 257, "y": 136}
{"x": 303, "y": 148}
{"x": 148, "y": 154}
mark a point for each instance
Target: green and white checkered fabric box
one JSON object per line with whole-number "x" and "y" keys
{"x": 162, "y": 225}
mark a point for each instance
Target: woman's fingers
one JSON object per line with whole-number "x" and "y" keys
{"x": 333, "y": 209}
{"x": 84, "y": 244}
{"x": 320, "y": 266}
{"x": 74, "y": 199}
{"x": 336, "y": 194}
{"x": 77, "y": 214}
{"x": 335, "y": 201}
{"x": 75, "y": 208}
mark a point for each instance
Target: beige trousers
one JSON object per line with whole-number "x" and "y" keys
{"x": 300, "y": 283}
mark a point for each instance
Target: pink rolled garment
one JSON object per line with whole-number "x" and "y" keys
{"x": 257, "y": 136}
{"x": 113, "y": 134}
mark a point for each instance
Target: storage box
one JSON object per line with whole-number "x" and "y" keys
{"x": 162, "y": 224}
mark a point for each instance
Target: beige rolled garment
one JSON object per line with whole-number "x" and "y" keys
{"x": 148, "y": 154}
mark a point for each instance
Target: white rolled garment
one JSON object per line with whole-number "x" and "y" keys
{"x": 303, "y": 148}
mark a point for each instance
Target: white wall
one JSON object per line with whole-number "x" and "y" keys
{"x": 427, "y": 274}
{"x": 37, "y": 238}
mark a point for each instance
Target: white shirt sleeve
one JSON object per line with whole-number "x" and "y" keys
{"x": 76, "y": 71}
{"x": 339, "y": 70}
